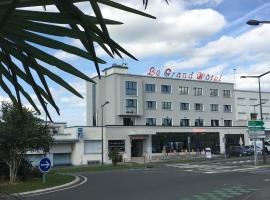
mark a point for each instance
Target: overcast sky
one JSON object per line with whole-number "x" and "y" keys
{"x": 188, "y": 35}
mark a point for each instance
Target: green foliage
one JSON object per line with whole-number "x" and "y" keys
{"x": 21, "y": 131}
{"x": 115, "y": 156}
{"x": 24, "y": 33}
{"x": 4, "y": 171}
{"x": 25, "y": 170}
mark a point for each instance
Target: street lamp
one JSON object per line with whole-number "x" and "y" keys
{"x": 254, "y": 22}
{"x": 102, "y": 106}
{"x": 260, "y": 97}
{"x": 256, "y": 105}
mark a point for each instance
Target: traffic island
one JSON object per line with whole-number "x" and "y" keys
{"x": 52, "y": 180}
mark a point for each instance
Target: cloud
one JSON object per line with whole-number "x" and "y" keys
{"x": 175, "y": 31}
{"x": 251, "y": 46}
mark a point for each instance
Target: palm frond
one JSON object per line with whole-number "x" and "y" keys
{"x": 24, "y": 33}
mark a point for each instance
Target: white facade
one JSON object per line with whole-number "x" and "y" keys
{"x": 206, "y": 113}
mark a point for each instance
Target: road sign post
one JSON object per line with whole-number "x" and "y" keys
{"x": 256, "y": 130}
{"x": 44, "y": 167}
{"x": 189, "y": 145}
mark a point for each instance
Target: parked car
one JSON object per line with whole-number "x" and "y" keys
{"x": 258, "y": 149}
{"x": 237, "y": 151}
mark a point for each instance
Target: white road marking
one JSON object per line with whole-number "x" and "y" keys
{"x": 62, "y": 189}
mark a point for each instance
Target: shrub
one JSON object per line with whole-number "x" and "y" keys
{"x": 36, "y": 173}
{"x": 25, "y": 169}
{"x": 4, "y": 171}
{"x": 115, "y": 156}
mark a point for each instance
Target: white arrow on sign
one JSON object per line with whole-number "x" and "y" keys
{"x": 46, "y": 164}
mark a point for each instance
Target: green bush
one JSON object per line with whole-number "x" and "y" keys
{"x": 4, "y": 171}
{"x": 36, "y": 173}
{"x": 25, "y": 170}
{"x": 115, "y": 156}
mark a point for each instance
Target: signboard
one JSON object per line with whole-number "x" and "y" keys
{"x": 116, "y": 144}
{"x": 208, "y": 152}
{"x": 170, "y": 73}
{"x": 255, "y": 123}
{"x": 45, "y": 165}
{"x": 256, "y": 129}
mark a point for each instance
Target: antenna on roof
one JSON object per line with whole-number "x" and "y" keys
{"x": 234, "y": 71}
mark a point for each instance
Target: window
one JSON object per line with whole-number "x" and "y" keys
{"x": 149, "y": 87}
{"x": 198, "y": 122}
{"x": 227, "y": 122}
{"x": 241, "y": 98}
{"x": 214, "y": 122}
{"x": 166, "y": 89}
{"x": 56, "y": 130}
{"x": 227, "y": 108}
{"x": 116, "y": 144}
{"x": 129, "y": 121}
{"x": 184, "y": 122}
{"x": 131, "y": 105}
{"x": 166, "y": 105}
{"x": 92, "y": 146}
{"x": 214, "y": 107}
{"x": 183, "y": 90}
{"x": 151, "y": 105}
{"x": 253, "y": 99}
{"x": 198, "y": 91}
{"x": 198, "y": 107}
{"x": 150, "y": 122}
{"x": 167, "y": 121}
{"x": 226, "y": 93}
{"x": 131, "y": 88}
{"x": 184, "y": 106}
{"x": 213, "y": 92}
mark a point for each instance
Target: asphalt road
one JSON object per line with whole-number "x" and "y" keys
{"x": 173, "y": 182}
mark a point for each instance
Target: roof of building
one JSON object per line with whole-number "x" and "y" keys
{"x": 169, "y": 78}
{"x": 268, "y": 92}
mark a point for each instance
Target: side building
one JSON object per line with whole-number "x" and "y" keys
{"x": 247, "y": 103}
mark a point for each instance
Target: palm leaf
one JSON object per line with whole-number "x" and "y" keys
{"x": 22, "y": 32}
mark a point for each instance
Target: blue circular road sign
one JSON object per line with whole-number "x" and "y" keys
{"x": 45, "y": 165}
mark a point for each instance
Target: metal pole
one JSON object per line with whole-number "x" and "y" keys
{"x": 43, "y": 178}
{"x": 102, "y": 135}
{"x": 188, "y": 145}
{"x": 261, "y": 113}
{"x": 255, "y": 153}
{"x": 44, "y": 174}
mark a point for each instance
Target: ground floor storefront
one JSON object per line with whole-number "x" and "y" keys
{"x": 141, "y": 141}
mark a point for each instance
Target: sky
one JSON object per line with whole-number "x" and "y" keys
{"x": 209, "y": 36}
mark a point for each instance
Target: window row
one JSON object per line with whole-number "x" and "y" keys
{"x": 152, "y": 105}
{"x": 130, "y": 121}
{"x": 131, "y": 89}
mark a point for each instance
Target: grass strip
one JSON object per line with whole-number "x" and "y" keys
{"x": 35, "y": 184}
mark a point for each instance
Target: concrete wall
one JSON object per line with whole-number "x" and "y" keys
{"x": 244, "y": 102}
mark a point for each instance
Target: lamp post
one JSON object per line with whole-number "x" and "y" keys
{"x": 260, "y": 103}
{"x": 254, "y": 22}
{"x": 254, "y": 106}
{"x": 102, "y": 106}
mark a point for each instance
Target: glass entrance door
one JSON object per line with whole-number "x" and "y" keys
{"x": 137, "y": 148}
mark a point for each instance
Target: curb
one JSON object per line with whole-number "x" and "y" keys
{"x": 77, "y": 179}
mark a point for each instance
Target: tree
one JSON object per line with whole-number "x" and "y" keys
{"x": 22, "y": 32}
{"x": 19, "y": 133}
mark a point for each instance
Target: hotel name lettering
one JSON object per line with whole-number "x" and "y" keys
{"x": 169, "y": 73}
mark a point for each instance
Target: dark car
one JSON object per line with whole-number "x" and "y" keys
{"x": 238, "y": 151}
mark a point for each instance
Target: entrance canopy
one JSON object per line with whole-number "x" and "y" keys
{"x": 141, "y": 133}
